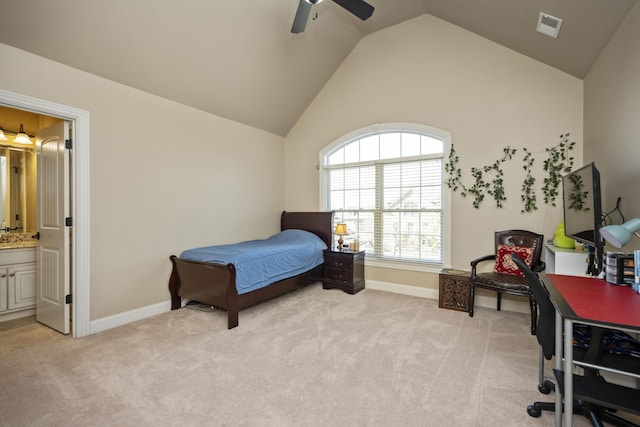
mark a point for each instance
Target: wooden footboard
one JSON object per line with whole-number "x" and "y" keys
{"x": 215, "y": 284}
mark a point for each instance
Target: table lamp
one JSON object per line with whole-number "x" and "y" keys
{"x": 341, "y": 230}
{"x": 619, "y": 235}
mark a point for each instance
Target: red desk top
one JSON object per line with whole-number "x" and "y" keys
{"x": 595, "y": 299}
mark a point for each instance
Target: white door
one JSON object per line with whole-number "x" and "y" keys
{"x": 53, "y": 207}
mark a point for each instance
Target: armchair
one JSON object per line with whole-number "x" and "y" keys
{"x": 506, "y": 277}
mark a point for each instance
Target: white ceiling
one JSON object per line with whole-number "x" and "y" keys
{"x": 237, "y": 58}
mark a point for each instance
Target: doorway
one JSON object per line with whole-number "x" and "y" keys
{"x": 79, "y": 193}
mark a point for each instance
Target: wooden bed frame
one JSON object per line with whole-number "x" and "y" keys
{"x": 215, "y": 284}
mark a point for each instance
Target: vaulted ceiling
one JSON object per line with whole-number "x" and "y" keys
{"x": 238, "y": 58}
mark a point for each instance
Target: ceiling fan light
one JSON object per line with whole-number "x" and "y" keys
{"x": 2, "y": 135}
{"x": 313, "y": 1}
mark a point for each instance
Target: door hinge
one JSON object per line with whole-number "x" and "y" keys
{"x": 68, "y": 299}
{"x": 67, "y": 144}
{"x": 68, "y": 221}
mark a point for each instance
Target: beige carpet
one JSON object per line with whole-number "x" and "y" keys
{"x": 312, "y": 358}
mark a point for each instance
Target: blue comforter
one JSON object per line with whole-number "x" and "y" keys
{"x": 259, "y": 263}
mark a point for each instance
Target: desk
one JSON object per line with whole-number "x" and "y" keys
{"x": 590, "y": 301}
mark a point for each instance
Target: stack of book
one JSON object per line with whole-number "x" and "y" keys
{"x": 636, "y": 270}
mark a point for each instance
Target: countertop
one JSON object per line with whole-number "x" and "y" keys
{"x": 18, "y": 245}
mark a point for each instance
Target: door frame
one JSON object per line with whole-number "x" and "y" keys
{"x": 79, "y": 196}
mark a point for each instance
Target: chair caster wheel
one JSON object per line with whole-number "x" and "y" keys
{"x": 542, "y": 388}
{"x": 534, "y": 411}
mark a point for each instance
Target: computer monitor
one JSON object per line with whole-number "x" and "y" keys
{"x": 582, "y": 210}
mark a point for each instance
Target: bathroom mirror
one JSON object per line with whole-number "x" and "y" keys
{"x": 17, "y": 190}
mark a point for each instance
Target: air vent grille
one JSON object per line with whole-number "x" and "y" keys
{"x": 548, "y": 25}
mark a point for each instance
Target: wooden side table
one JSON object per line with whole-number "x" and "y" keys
{"x": 454, "y": 292}
{"x": 344, "y": 270}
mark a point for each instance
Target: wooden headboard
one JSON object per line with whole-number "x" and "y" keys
{"x": 318, "y": 223}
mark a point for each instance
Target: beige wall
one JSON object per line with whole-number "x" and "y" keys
{"x": 164, "y": 177}
{"x": 155, "y": 193}
{"x": 429, "y": 72}
{"x": 612, "y": 120}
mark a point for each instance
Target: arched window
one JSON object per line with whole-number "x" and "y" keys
{"x": 387, "y": 185}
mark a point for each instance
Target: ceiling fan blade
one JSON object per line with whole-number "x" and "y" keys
{"x": 302, "y": 16}
{"x": 360, "y": 8}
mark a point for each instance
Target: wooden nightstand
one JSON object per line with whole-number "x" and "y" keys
{"x": 454, "y": 290}
{"x": 344, "y": 270}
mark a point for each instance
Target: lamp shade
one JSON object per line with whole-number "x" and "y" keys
{"x": 619, "y": 235}
{"x": 2, "y": 135}
{"x": 22, "y": 137}
{"x": 341, "y": 229}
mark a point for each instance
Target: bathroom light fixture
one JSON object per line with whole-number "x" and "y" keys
{"x": 619, "y": 235}
{"x": 341, "y": 230}
{"x": 21, "y": 136}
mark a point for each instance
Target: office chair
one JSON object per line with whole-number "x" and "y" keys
{"x": 588, "y": 346}
{"x": 506, "y": 277}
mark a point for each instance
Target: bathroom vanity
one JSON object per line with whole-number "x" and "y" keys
{"x": 17, "y": 277}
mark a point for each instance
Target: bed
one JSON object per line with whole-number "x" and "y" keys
{"x": 216, "y": 283}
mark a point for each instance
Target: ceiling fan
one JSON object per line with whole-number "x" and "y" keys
{"x": 359, "y": 8}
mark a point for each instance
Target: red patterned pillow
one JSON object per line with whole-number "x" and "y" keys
{"x": 504, "y": 263}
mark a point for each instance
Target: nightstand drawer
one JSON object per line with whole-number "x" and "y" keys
{"x": 338, "y": 275}
{"x": 344, "y": 270}
{"x": 339, "y": 264}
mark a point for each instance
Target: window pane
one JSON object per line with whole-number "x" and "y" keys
{"x": 392, "y": 198}
{"x": 336, "y": 178}
{"x": 368, "y": 177}
{"x": 352, "y": 152}
{"x": 410, "y": 144}
{"x": 430, "y": 145}
{"x": 336, "y": 200}
{"x": 431, "y": 198}
{"x": 431, "y": 240}
{"x": 352, "y": 178}
{"x": 336, "y": 158}
{"x": 352, "y": 199}
{"x": 368, "y": 199}
{"x": 391, "y": 234}
{"x": 410, "y": 174}
{"x": 391, "y": 175}
{"x": 389, "y": 145}
{"x": 411, "y": 198}
{"x": 369, "y": 148}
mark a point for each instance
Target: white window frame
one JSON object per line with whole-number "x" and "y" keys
{"x": 440, "y": 134}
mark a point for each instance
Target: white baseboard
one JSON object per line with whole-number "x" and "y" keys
{"x": 415, "y": 291}
{"x": 17, "y": 314}
{"x": 120, "y": 319}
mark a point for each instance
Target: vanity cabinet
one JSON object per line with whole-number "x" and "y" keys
{"x": 17, "y": 279}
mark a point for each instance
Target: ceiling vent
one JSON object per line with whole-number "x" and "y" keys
{"x": 549, "y": 25}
